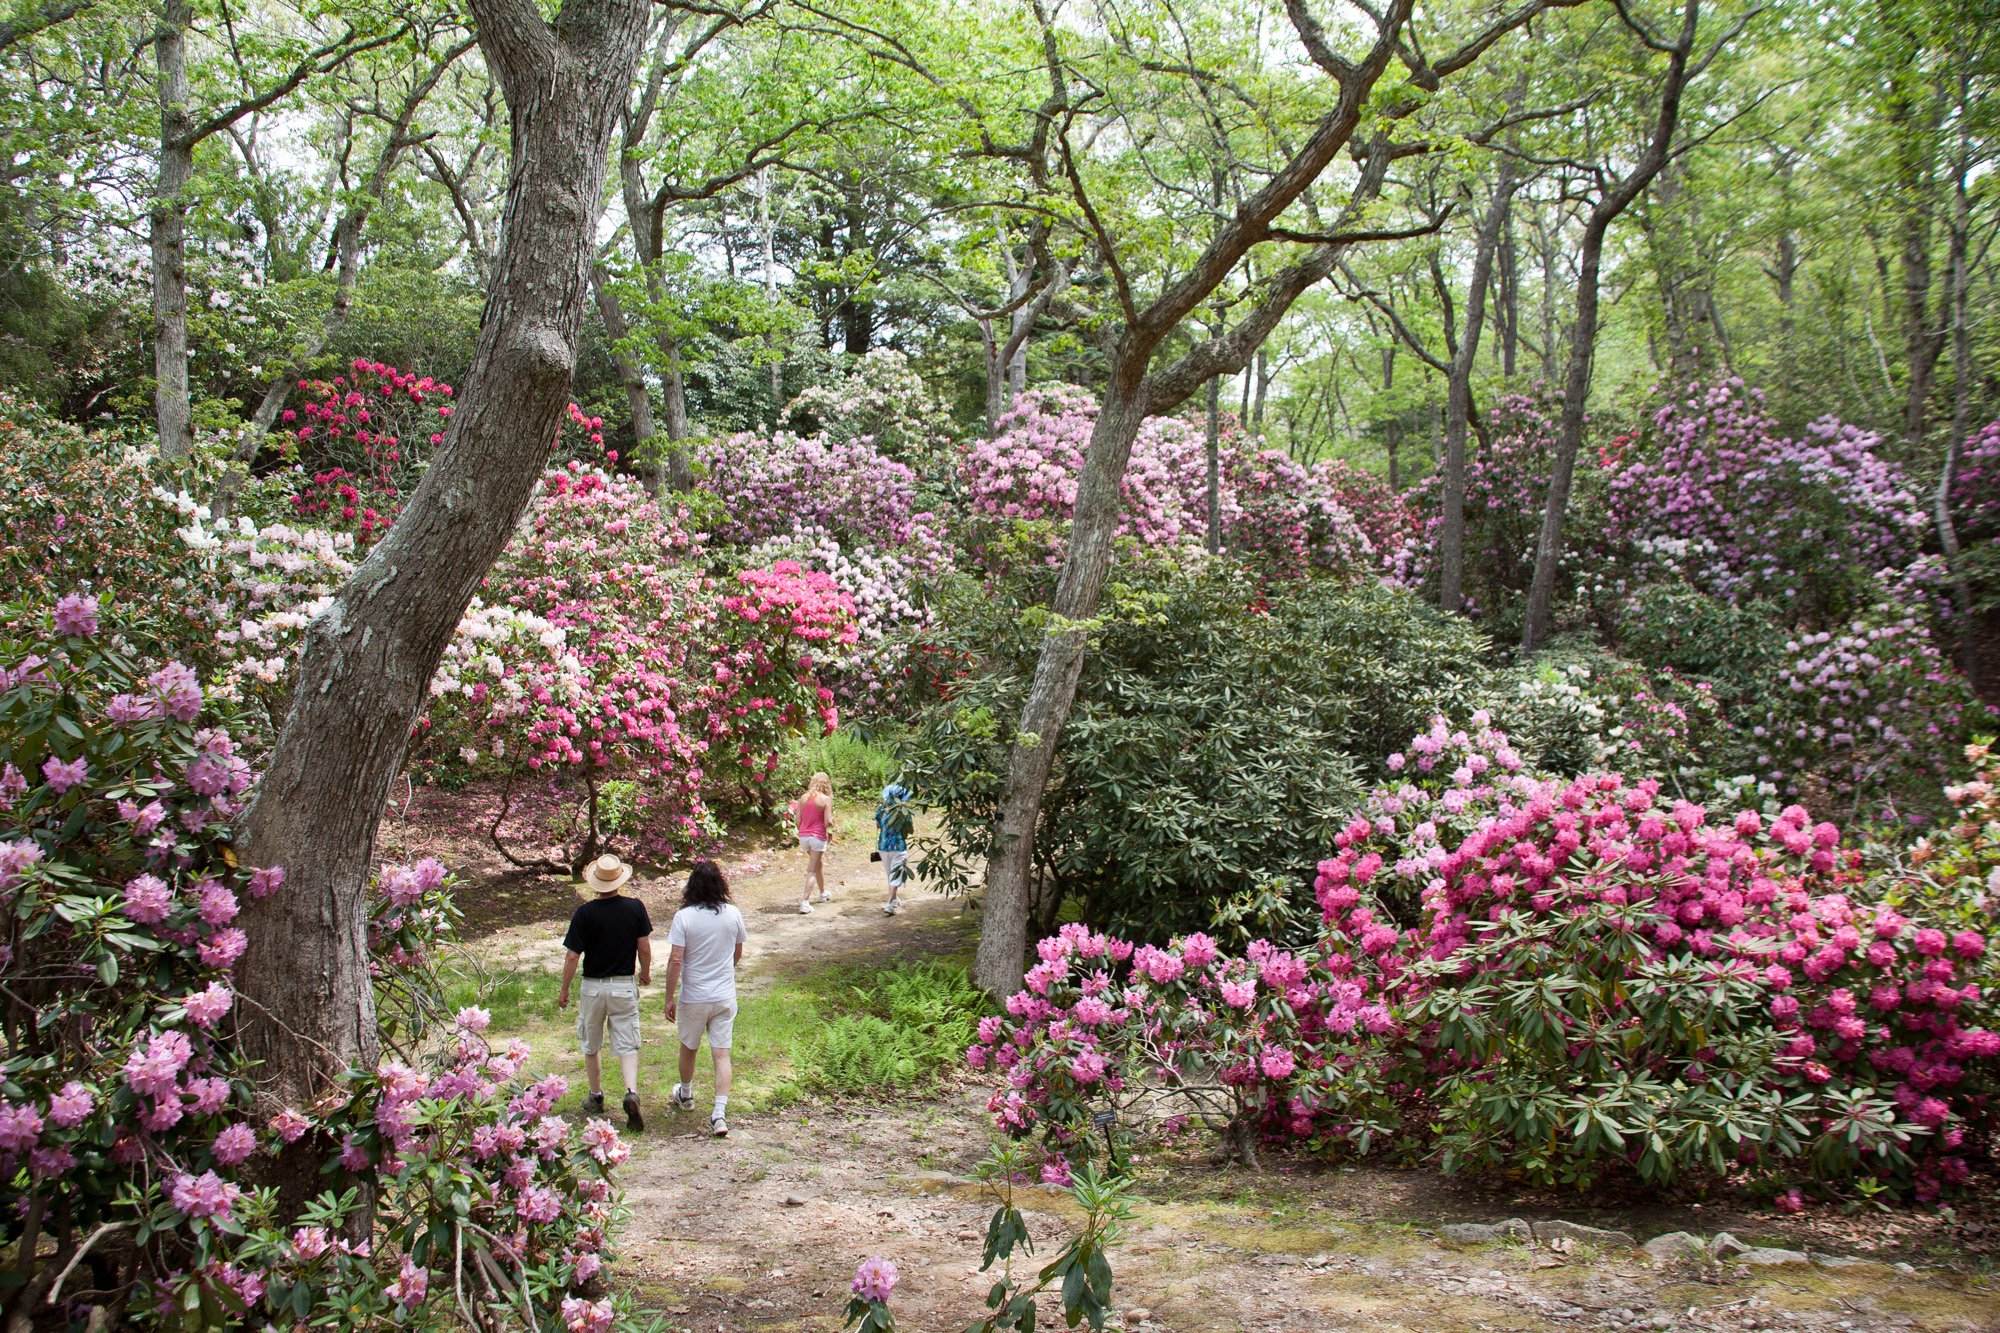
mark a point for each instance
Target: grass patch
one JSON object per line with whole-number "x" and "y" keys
{"x": 846, "y": 1030}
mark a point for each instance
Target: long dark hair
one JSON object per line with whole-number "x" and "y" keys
{"x": 706, "y": 886}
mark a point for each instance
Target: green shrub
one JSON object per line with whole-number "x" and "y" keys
{"x": 1220, "y": 733}
{"x": 1737, "y": 649}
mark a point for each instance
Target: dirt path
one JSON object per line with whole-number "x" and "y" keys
{"x": 762, "y": 1231}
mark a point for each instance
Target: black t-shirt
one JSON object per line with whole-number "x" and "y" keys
{"x": 607, "y": 931}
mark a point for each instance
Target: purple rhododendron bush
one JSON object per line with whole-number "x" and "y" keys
{"x": 1580, "y": 980}
{"x": 132, "y": 1142}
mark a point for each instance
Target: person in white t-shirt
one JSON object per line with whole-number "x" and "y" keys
{"x": 707, "y": 939}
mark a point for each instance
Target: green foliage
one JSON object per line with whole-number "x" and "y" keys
{"x": 860, "y": 766}
{"x": 904, "y": 1027}
{"x": 1219, "y": 735}
{"x": 1080, "y": 1271}
{"x": 1737, "y": 648}
{"x": 1581, "y": 1054}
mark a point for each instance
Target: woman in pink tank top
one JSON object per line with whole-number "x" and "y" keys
{"x": 814, "y": 812}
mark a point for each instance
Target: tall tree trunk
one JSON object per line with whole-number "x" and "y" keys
{"x": 1458, "y": 400}
{"x": 1509, "y": 312}
{"x": 362, "y": 683}
{"x": 638, "y": 399}
{"x": 1959, "y": 277}
{"x": 1262, "y": 370}
{"x": 767, "y": 233}
{"x": 1213, "y": 450}
{"x": 674, "y": 416}
{"x": 1583, "y": 340}
{"x": 172, "y": 405}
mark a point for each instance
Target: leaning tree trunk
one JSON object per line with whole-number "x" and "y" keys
{"x": 1583, "y": 340}
{"x": 1003, "y": 934}
{"x": 309, "y": 1011}
{"x": 172, "y": 404}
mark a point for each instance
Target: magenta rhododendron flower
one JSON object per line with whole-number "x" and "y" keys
{"x": 207, "y": 1006}
{"x": 206, "y": 1195}
{"x": 582, "y": 1316}
{"x": 234, "y": 1145}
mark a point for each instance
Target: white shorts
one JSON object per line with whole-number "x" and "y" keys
{"x": 896, "y": 865}
{"x": 612, "y": 1001}
{"x": 718, "y": 1020}
{"x": 812, "y": 844}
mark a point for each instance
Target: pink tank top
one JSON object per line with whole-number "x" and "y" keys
{"x": 812, "y": 818}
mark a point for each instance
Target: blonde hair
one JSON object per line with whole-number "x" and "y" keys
{"x": 819, "y": 782}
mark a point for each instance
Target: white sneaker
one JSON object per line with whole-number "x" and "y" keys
{"x": 888, "y": 909}
{"x": 805, "y": 908}
{"x": 825, "y": 896}
{"x": 895, "y": 907}
{"x": 718, "y": 1126}
{"x": 683, "y": 1097}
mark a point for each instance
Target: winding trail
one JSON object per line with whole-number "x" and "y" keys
{"x": 762, "y": 1231}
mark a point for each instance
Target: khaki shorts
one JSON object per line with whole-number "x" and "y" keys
{"x": 613, "y": 1001}
{"x": 718, "y": 1020}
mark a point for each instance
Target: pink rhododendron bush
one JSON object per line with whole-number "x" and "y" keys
{"x": 1273, "y": 508}
{"x": 1577, "y": 979}
{"x": 133, "y": 1144}
{"x": 601, "y": 651}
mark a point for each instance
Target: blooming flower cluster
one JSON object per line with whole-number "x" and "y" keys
{"x": 879, "y": 401}
{"x": 134, "y": 1109}
{"x": 602, "y": 649}
{"x": 363, "y": 436}
{"x": 1825, "y": 1006}
{"x": 773, "y": 485}
{"x": 1806, "y": 520}
{"x": 1271, "y": 506}
{"x": 1874, "y": 710}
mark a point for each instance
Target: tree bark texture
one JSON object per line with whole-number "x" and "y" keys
{"x": 1458, "y": 403}
{"x": 638, "y": 399}
{"x": 369, "y": 657}
{"x": 167, "y": 225}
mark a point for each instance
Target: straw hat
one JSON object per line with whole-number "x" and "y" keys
{"x": 606, "y": 875}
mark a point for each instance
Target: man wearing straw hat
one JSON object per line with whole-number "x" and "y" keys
{"x": 608, "y": 935}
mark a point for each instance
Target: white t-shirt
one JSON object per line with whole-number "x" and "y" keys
{"x": 707, "y": 938}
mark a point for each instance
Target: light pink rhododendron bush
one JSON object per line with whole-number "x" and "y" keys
{"x": 1274, "y": 509}
{"x": 131, "y": 1140}
{"x": 1577, "y": 979}
{"x": 601, "y": 650}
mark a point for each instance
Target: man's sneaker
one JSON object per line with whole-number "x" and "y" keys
{"x": 718, "y": 1126}
{"x": 633, "y": 1120}
{"x": 683, "y": 1097}
{"x": 805, "y": 907}
{"x": 594, "y": 1104}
